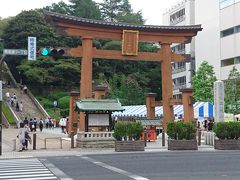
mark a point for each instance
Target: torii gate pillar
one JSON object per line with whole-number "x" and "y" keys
{"x": 166, "y": 68}
{"x": 86, "y": 75}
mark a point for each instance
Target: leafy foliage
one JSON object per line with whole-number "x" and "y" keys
{"x": 227, "y": 130}
{"x": 85, "y": 8}
{"x": 232, "y": 92}
{"x": 127, "y": 89}
{"x": 125, "y": 130}
{"x": 120, "y": 11}
{"x": 202, "y": 83}
{"x": 45, "y": 71}
{"x": 29, "y": 23}
{"x": 138, "y": 78}
{"x": 181, "y": 130}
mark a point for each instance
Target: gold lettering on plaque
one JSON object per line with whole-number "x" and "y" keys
{"x": 130, "y": 42}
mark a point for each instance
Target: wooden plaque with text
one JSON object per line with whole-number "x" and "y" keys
{"x": 130, "y": 43}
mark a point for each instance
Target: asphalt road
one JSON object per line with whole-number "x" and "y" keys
{"x": 222, "y": 165}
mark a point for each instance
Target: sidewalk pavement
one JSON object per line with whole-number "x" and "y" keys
{"x": 9, "y": 139}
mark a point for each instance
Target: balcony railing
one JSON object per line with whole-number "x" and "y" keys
{"x": 175, "y": 87}
{"x": 178, "y": 70}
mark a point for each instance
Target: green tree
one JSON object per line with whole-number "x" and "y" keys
{"x": 232, "y": 92}
{"x": 3, "y": 25}
{"x": 60, "y": 7}
{"x": 120, "y": 11}
{"x": 45, "y": 72}
{"x": 85, "y": 9}
{"x": 127, "y": 89}
{"x": 29, "y": 23}
{"x": 202, "y": 83}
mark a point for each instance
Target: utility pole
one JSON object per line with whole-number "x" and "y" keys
{"x": 1, "y": 99}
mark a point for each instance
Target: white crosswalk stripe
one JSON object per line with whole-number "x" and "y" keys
{"x": 27, "y": 169}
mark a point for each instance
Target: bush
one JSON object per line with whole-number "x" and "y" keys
{"x": 63, "y": 102}
{"x": 124, "y": 130}
{"x": 227, "y": 130}
{"x": 181, "y": 130}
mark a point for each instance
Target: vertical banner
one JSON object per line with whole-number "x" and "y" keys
{"x": 32, "y": 45}
{"x": 219, "y": 101}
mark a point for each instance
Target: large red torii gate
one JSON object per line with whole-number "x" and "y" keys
{"x": 130, "y": 35}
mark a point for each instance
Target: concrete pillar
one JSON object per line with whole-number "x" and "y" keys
{"x": 150, "y": 105}
{"x": 73, "y": 115}
{"x": 166, "y": 68}
{"x": 86, "y": 75}
{"x": 187, "y": 100}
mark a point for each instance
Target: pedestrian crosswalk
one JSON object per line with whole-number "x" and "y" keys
{"x": 27, "y": 169}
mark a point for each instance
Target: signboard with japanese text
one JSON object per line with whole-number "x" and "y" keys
{"x": 15, "y": 52}
{"x": 32, "y": 45}
{"x": 130, "y": 42}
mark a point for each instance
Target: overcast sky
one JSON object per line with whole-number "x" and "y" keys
{"x": 152, "y": 9}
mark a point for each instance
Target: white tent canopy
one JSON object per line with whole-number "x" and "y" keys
{"x": 201, "y": 109}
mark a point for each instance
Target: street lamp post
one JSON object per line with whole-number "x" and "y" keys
{"x": 1, "y": 99}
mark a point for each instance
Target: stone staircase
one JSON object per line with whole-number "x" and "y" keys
{"x": 30, "y": 110}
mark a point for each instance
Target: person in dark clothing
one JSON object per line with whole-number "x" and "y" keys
{"x": 41, "y": 124}
{"x": 25, "y": 121}
{"x": 17, "y": 107}
{"x": 31, "y": 125}
{"x": 205, "y": 124}
{"x": 35, "y": 124}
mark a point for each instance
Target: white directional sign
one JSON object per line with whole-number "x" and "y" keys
{"x": 32, "y": 45}
{"x": 15, "y": 52}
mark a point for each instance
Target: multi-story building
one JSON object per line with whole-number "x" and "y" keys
{"x": 218, "y": 43}
{"x": 181, "y": 14}
{"x": 229, "y": 36}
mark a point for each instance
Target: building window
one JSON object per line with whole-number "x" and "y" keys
{"x": 237, "y": 60}
{"x": 179, "y": 49}
{"x": 230, "y": 61}
{"x": 226, "y": 3}
{"x": 177, "y": 17}
{"x": 227, "y": 32}
{"x": 237, "y": 28}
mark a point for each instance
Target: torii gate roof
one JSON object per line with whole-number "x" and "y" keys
{"x": 66, "y": 22}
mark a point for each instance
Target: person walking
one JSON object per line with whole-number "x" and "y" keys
{"x": 63, "y": 124}
{"x": 25, "y": 121}
{"x": 41, "y": 124}
{"x": 35, "y": 124}
{"x": 27, "y": 137}
{"x": 21, "y": 137}
{"x": 21, "y": 106}
{"x": 17, "y": 106}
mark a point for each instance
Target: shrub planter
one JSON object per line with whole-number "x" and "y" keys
{"x": 123, "y": 146}
{"x": 227, "y": 144}
{"x": 182, "y": 144}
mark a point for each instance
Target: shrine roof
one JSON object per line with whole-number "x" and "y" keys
{"x": 98, "y": 105}
{"x": 98, "y": 23}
